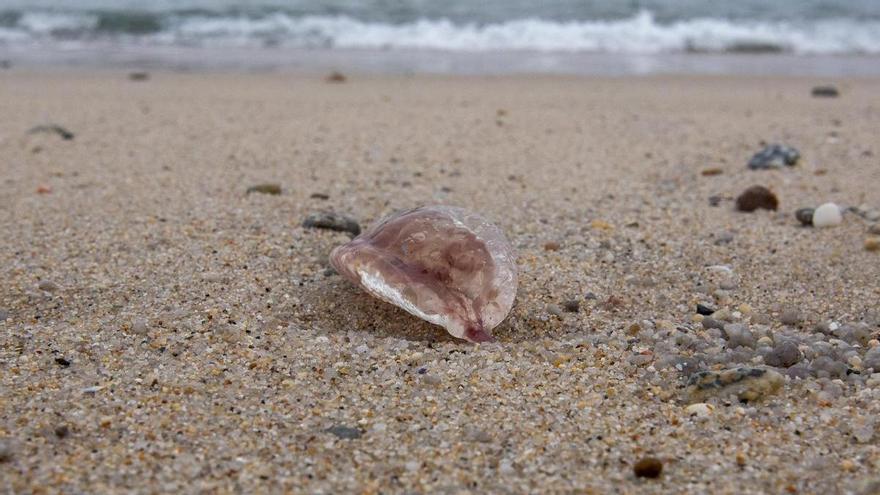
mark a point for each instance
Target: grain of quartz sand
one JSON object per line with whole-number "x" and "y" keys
{"x": 208, "y": 347}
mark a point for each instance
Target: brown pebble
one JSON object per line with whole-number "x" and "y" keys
{"x": 62, "y": 431}
{"x": 874, "y": 229}
{"x": 336, "y": 77}
{"x": 552, "y": 246}
{"x": 708, "y": 172}
{"x": 648, "y": 467}
{"x": 872, "y": 244}
{"x": 571, "y": 306}
{"x": 268, "y": 188}
{"x": 756, "y": 197}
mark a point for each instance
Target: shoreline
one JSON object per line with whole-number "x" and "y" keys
{"x": 405, "y": 62}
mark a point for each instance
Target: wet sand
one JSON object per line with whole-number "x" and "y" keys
{"x": 163, "y": 331}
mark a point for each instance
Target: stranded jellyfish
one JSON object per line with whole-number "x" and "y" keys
{"x": 443, "y": 264}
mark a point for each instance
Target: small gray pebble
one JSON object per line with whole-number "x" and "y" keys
{"x": 723, "y": 238}
{"x": 345, "y": 432}
{"x": 805, "y": 216}
{"x": 139, "y": 326}
{"x": 825, "y": 92}
{"x": 872, "y": 359}
{"x": 738, "y": 335}
{"x": 712, "y": 323}
{"x": 48, "y": 286}
{"x": 822, "y": 327}
{"x": 783, "y": 355}
{"x": 332, "y": 221}
{"x": 790, "y": 317}
{"x": 554, "y": 310}
{"x": 774, "y": 156}
{"x": 825, "y": 367}
{"x": 3, "y": 315}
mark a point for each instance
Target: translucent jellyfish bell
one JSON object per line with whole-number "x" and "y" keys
{"x": 443, "y": 264}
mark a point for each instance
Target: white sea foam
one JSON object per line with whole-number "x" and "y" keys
{"x": 640, "y": 34}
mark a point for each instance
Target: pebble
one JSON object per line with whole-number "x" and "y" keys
{"x": 704, "y": 310}
{"x": 785, "y": 354}
{"x": 139, "y": 76}
{"x": 874, "y": 229}
{"x": 345, "y": 432}
{"x": 48, "y": 286}
{"x": 699, "y": 410}
{"x": 863, "y": 433}
{"x": 336, "y": 77}
{"x": 805, "y": 216}
{"x": 554, "y": 310}
{"x": 62, "y": 431}
{"x": 332, "y": 221}
{"x": 5, "y": 450}
{"x": 774, "y": 156}
{"x": 712, "y": 323}
{"x": 648, "y": 467}
{"x": 268, "y": 188}
{"x": 551, "y": 246}
{"x": 723, "y": 238}
{"x": 756, "y": 197}
{"x": 748, "y": 384}
{"x": 872, "y": 359}
{"x": 571, "y": 306}
{"x": 872, "y": 244}
{"x": 738, "y": 335}
{"x": 825, "y": 92}
{"x": 827, "y": 215}
{"x": 790, "y": 317}
{"x": 139, "y": 326}
{"x": 60, "y": 361}
{"x": 3, "y": 315}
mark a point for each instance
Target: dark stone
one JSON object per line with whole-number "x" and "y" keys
{"x": 571, "y": 306}
{"x": 62, "y": 431}
{"x": 139, "y": 76}
{"x": 825, "y": 92}
{"x": 336, "y": 77}
{"x": 319, "y": 196}
{"x": 345, "y": 432}
{"x": 774, "y": 156}
{"x": 805, "y": 216}
{"x": 268, "y": 188}
{"x": 648, "y": 467}
{"x": 62, "y": 362}
{"x": 704, "y": 310}
{"x": 332, "y": 221}
{"x": 52, "y": 129}
{"x": 714, "y": 200}
{"x": 783, "y": 355}
{"x": 756, "y": 197}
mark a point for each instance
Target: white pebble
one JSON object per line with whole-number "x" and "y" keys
{"x": 827, "y": 215}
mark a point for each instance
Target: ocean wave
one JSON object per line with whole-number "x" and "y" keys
{"x": 639, "y": 34}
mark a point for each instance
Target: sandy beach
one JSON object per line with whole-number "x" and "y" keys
{"x": 163, "y": 331}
